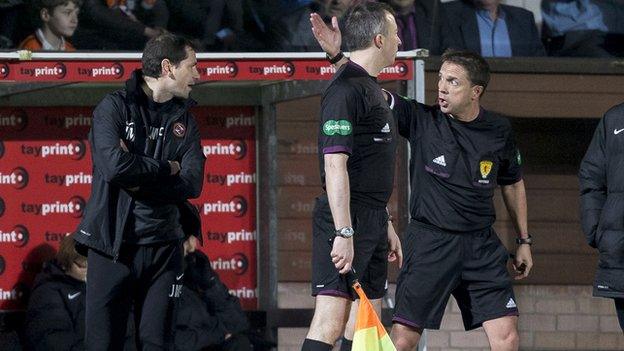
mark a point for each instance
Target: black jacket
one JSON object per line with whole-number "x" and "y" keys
{"x": 602, "y": 201}
{"x": 462, "y": 31}
{"x": 206, "y": 311}
{"x": 122, "y": 115}
{"x": 55, "y": 318}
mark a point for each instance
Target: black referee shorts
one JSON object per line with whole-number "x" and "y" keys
{"x": 471, "y": 266}
{"x": 370, "y": 245}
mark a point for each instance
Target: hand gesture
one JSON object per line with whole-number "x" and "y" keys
{"x": 330, "y": 39}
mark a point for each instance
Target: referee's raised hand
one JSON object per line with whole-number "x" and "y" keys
{"x": 330, "y": 39}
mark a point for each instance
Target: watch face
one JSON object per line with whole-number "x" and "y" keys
{"x": 346, "y": 232}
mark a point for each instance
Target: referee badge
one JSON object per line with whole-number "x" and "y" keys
{"x": 485, "y": 167}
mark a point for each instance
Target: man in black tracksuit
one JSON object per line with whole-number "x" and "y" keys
{"x": 602, "y": 205}
{"x": 147, "y": 161}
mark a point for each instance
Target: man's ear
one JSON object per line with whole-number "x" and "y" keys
{"x": 166, "y": 68}
{"x": 378, "y": 41}
{"x": 477, "y": 90}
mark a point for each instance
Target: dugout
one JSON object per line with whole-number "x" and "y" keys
{"x": 554, "y": 105}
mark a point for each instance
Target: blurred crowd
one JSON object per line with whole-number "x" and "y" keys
{"x": 582, "y": 28}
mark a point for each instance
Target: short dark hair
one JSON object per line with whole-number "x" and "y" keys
{"x": 363, "y": 22}
{"x": 50, "y": 5}
{"x": 165, "y": 46}
{"x": 67, "y": 253}
{"x": 476, "y": 66}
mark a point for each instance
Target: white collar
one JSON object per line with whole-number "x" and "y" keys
{"x": 44, "y": 43}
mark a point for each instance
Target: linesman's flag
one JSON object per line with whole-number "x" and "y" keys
{"x": 370, "y": 334}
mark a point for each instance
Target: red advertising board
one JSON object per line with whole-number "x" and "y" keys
{"x": 45, "y": 181}
{"x": 209, "y": 70}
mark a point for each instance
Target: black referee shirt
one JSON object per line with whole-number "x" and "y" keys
{"x": 356, "y": 120}
{"x": 456, "y": 166}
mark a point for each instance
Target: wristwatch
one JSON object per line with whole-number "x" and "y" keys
{"x": 345, "y": 232}
{"x": 335, "y": 59}
{"x": 528, "y": 240}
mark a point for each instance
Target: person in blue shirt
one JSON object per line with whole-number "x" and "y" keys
{"x": 491, "y": 29}
{"x": 583, "y": 28}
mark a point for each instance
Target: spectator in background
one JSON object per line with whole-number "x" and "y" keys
{"x": 491, "y": 29}
{"x": 9, "y": 13}
{"x": 583, "y": 28}
{"x": 291, "y": 32}
{"x": 208, "y": 317}
{"x": 59, "y": 19}
{"x": 55, "y": 318}
{"x": 419, "y": 24}
{"x": 216, "y": 24}
{"x": 120, "y": 24}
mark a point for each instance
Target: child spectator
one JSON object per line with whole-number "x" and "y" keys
{"x": 55, "y": 317}
{"x": 59, "y": 19}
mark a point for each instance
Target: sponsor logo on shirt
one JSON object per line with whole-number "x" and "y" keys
{"x": 386, "y": 128}
{"x": 440, "y": 160}
{"x": 340, "y": 127}
{"x": 73, "y": 296}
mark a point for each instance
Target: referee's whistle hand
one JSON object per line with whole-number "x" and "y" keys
{"x": 395, "y": 253}
{"x": 342, "y": 254}
{"x": 523, "y": 262}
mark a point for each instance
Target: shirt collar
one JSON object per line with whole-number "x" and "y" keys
{"x": 486, "y": 14}
{"x": 45, "y": 45}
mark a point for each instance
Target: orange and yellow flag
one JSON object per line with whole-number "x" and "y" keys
{"x": 370, "y": 334}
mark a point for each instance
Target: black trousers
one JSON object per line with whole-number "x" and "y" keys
{"x": 145, "y": 280}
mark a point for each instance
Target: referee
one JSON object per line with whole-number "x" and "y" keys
{"x": 357, "y": 146}
{"x": 460, "y": 153}
{"x": 147, "y": 161}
